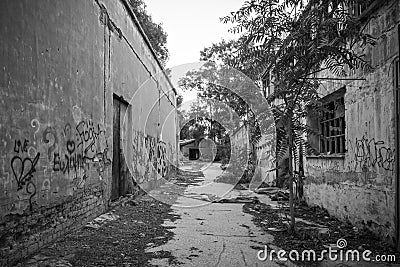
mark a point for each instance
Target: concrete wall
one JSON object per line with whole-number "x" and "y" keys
{"x": 60, "y": 64}
{"x": 266, "y": 166}
{"x": 240, "y": 147}
{"x": 262, "y": 152}
{"x": 359, "y": 186}
{"x": 208, "y": 149}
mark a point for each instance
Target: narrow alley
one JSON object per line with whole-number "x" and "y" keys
{"x": 199, "y": 133}
{"x": 209, "y": 233}
{"x": 146, "y": 232}
{"x": 190, "y": 221}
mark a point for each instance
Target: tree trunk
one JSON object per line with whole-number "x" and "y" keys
{"x": 291, "y": 193}
{"x": 300, "y": 182}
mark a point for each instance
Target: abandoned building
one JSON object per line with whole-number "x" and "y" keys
{"x": 202, "y": 148}
{"x": 87, "y": 115}
{"x": 355, "y": 175}
{"x": 190, "y": 149}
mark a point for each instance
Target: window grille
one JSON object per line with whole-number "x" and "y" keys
{"x": 332, "y": 127}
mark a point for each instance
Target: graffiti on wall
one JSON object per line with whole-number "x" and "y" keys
{"x": 143, "y": 151}
{"x": 89, "y": 135}
{"x": 23, "y": 168}
{"x": 369, "y": 153}
{"x": 52, "y": 162}
{"x": 162, "y": 159}
{"x": 150, "y": 157}
{"x": 74, "y": 150}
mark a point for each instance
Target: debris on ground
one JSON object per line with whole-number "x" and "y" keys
{"x": 185, "y": 178}
{"x": 116, "y": 238}
{"x": 315, "y": 229}
{"x": 228, "y": 178}
{"x": 267, "y": 190}
{"x": 239, "y": 199}
{"x": 101, "y": 220}
{"x": 280, "y": 196}
{"x": 265, "y": 185}
{"x": 203, "y": 196}
{"x": 276, "y": 194}
{"x": 38, "y": 261}
{"x": 123, "y": 238}
{"x": 240, "y": 187}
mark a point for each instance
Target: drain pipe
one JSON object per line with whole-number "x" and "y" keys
{"x": 397, "y": 167}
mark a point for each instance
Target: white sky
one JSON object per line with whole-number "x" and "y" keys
{"x": 191, "y": 26}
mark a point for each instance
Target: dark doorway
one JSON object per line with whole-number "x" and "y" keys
{"x": 194, "y": 153}
{"x": 118, "y": 187}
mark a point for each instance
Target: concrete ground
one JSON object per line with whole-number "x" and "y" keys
{"x": 212, "y": 234}
{"x": 181, "y": 223}
{"x": 219, "y": 234}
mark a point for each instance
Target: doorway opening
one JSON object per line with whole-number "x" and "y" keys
{"x": 194, "y": 153}
{"x": 120, "y": 171}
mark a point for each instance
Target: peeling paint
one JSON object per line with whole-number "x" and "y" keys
{"x": 359, "y": 185}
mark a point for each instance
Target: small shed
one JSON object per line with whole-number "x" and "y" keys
{"x": 190, "y": 148}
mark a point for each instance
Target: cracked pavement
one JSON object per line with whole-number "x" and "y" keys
{"x": 177, "y": 224}
{"x": 209, "y": 233}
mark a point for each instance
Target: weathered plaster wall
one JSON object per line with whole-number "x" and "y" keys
{"x": 61, "y": 62}
{"x": 208, "y": 149}
{"x": 240, "y": 140}
{"x": 359, "y": 186}
{"x": 136, "y": 77}
{"x": 265, "y": 153}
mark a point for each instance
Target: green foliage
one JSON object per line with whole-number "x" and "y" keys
{"x": 156, "y": 34}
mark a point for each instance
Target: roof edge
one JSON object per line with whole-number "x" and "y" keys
{"x": 137, "y": 23}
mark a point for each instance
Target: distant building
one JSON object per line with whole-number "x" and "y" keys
{"x": 202, "y": 148}
{"x": 190, "y": 149}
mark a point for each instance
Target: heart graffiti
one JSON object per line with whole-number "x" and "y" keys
{"x": 23, "y": 170}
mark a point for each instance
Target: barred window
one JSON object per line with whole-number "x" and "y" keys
{"x": 332, "y": 124}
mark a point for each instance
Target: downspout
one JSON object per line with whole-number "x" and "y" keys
{"x": 397, "y": 112}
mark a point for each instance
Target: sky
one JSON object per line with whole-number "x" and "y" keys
{"x": 191, "y": 25}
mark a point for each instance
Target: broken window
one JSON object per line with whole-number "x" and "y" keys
{"x": 332, "y": 124}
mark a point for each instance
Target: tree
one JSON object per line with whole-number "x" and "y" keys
{"x": 156, "y": 34}
{"x": 293, "y": 40}
{"x": 224, "y": 86}
{"x": 225, "y": 53}
{"x": 179, "y": 100}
